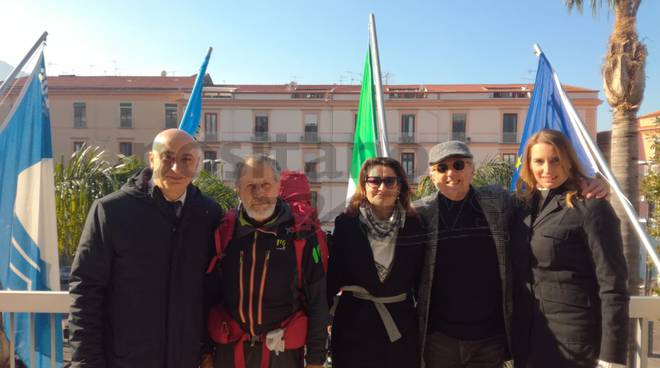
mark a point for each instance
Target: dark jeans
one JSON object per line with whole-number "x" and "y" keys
{"x": 224, "y": 357}
{"x": 442, "y": 351}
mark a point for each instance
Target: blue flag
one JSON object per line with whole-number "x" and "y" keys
{"x": 191, "y": 117}
{"x": 28, "y": 233}
{"x": 550, "y": 108}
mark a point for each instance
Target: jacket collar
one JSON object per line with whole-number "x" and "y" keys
{"x": 246, "y": 226}
{"x": 138, "y": 186}
{"x": 556, "y": 201}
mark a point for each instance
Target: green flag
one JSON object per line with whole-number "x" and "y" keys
{"x": 364, "y": 144}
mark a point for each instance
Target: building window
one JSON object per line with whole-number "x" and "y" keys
{"x": 407, "y": 128}
{"x": 509, "y": 157}
{"x": 310, "y": 165}
{"x": 126, "y": 148}
{"x": 78, "y": 145}
{"x": 125, "y": 115}
{"x": 311, "y": 123}
{"x": 79, "y": 115}
{"x": 310, "y": 168}
{"x": 509, "y": 128}
{"x": 171, "y": 116}
{"x": 211, "y": 126}
{"x": 408, "y": 163}
{"x": 510, "y": 95}
{"x": 458, "y": 126}
{"x": 261, "y": 126}
{"x": 311, "y": 128}
{"x": 209, "y": 161}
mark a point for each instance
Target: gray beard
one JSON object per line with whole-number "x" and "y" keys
{"x": 260, "y": 215}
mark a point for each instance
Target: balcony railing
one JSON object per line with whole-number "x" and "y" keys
{"x": 313, "y": 176}
{"x": 458, "y": 136}
{"x": 261, "y": 137}
{"x": 642, "y": 308}
{"x": 509, "y": 137}
{"x": 210, "y": 137}
{"x": 310, "y": 137}
{"x": 407, "y": 138}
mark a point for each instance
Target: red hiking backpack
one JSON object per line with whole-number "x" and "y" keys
{"x": 296, "y": 192}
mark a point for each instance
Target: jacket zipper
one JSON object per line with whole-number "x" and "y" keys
{"x": 264, "y": 272}
{"x": 250, "y": 300}
{"x": 240, "y": 288}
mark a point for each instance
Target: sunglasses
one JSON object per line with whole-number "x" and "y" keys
{"x": 376, "y": 181}
{"x": 458, "y": 165}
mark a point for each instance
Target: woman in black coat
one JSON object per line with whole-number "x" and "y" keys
{"x": 570, "y": 294}
{"x": 376, "y": 260}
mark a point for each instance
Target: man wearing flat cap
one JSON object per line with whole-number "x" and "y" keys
{"x": 465, "y": 293}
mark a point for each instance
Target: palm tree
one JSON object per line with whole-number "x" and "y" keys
{"x": 624, "y": 82}
{"x": 214, "y": 188}
{"x": 87, "y": 176}
{"x": 494, "y": 171}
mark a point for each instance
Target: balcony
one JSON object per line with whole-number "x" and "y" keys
{"x": 261, "y": 137}
{"x": 310, "y": 138}
{"x": 509, "y": 137}
{"x": 313, "y": 176}
{"x": 407, "y": 138}
{"x": 642, "y": 309}
{"x": 459, "y": 136}
{"x": 210, "y": 137}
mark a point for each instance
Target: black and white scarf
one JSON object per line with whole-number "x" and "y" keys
{"x": 382, "y": 235}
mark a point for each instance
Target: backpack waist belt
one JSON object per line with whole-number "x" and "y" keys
{"x": 379, "y": 302}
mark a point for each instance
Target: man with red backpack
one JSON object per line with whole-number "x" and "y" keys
{"x": 270, "y": 276}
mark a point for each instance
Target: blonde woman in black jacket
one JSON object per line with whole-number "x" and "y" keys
{"x": 570, "y": 287}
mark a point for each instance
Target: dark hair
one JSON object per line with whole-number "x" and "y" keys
{"x": 360, "y": 194}
{"x": 526, "y": 184}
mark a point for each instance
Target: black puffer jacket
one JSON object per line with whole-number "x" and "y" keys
{"x": 137, "y": 279}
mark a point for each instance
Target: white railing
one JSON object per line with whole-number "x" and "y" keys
{"x": 51, "y": 302}
{"x": 642, "y": 308}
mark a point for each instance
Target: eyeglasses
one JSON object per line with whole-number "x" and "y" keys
{"x": 458, "y": 165}
{"x": 376, "y": 181}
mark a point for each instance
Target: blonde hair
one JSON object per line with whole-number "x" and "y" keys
{"x": 526, "y": 184}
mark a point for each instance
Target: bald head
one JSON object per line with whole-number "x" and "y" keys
{"x": 170, "y": 137}
{"x": 175, "y": 160}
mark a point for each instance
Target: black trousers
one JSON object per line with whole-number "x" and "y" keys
{"x": 442, "y": 351}
{"x": 224, "y": 357}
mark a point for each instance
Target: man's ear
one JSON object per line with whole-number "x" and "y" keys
{"x": 151, "y": 159}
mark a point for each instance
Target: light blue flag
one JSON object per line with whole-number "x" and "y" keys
{"x": 191, "y": 117}
{"x": 28, "y": 233}
{"x": 550, "y": 108}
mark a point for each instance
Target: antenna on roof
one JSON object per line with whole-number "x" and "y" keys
{"x": 387, "y": 76}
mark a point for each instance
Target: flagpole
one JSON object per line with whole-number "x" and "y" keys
{"x": 5, "y": 85}
{"x": 601, "y": 165}
{"x": 383, "y": 144}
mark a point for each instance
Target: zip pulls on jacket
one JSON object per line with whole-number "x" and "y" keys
{"x": 251, "y": 291}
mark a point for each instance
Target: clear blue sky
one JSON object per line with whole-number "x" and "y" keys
{"x": 272, "y": 42}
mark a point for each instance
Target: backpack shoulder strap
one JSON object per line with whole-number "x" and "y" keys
{"x": 299, "y": 242}
{"x": 222, "y": 237}
{"x": 299, "y": 245}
